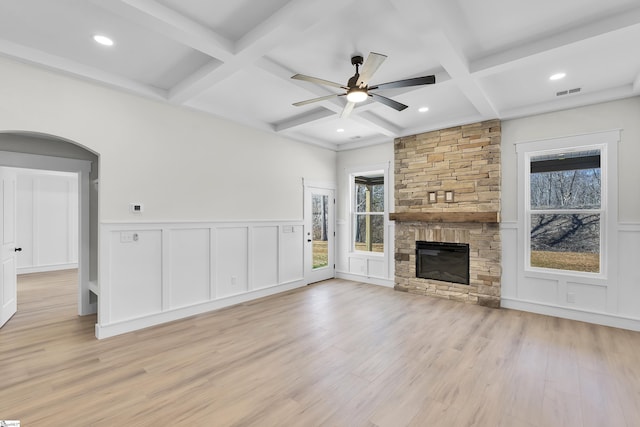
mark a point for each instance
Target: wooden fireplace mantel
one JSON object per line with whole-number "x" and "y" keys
{"x": 452, "y": 217}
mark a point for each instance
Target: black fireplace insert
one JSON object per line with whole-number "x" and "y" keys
{"x": 448, "y": 262}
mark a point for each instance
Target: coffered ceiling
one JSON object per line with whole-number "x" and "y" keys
{"x": 235, "y": 59}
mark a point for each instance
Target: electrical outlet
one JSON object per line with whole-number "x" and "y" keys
{"x": 234, "y": 280}
{"x": 571, "y": 297}
{"x": 128, "y": 237}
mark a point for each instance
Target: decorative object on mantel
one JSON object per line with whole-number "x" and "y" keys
{"x": 432, "y": 197}
{"x": 450, "y": 217}
{"x": 448, "y": 196}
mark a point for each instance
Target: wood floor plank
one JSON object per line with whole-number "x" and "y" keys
{"x": 337, "y": 353}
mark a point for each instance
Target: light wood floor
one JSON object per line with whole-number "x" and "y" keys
{"x": 336, "y": 353}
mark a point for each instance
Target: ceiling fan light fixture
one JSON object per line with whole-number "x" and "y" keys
{"x": 357, "y": 95}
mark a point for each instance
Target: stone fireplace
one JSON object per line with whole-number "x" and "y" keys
{"x": 447, "y": 190}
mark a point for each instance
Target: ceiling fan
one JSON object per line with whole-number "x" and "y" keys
{"x": 358, "y": 88}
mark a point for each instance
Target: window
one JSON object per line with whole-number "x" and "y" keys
{"x": 368, "y": 211}
{"x": 565, "y": 210}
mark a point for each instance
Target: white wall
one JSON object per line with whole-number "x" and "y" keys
{"x": 614, "y": 300}
{"x": 182, "y": 165}
{"x": 369, "y": 268}
{"x": 47, "y": 221}
{"x": 179, "y": 163}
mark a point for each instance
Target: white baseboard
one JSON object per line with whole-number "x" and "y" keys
{"x": 45, "y": 268}
{"x": 113, "y": 329}
{"x": 388, "y": 283}
{"x": 573, "y": 314}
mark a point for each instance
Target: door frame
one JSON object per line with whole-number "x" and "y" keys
{"x": 309, "y": 186}
{"x": 83, "y": 169}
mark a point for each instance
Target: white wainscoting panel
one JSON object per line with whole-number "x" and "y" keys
{"x": 264, "y": 256}
{"x": 612, "y": 300}
{"x": 509, "y": 239}
{"x": 291, "y": 260}
{"x": 586, "y": 297}
{"x": 357, "y": 266}
{"x": 232, "y": 261}
{"x": 539, "y": 289}
{"x": 629, "y": 270}
{"x": 151, "y": 273}
{"x": 189, "y": 266}
{"x": 136, "y": 273}
{"x": 376, "y": 267}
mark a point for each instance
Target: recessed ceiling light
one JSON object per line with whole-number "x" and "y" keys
{"x": 340, "y": 130}
{"x": 103, "y": 40}
{"x": 423, "y": 109}
{"x": 558, "y": 76}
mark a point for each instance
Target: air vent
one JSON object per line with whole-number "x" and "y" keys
{"x": 568, "y": 92}
{"x": 356, "y": 137}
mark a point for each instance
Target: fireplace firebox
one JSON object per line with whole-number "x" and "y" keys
{"x": 448, "y": 262}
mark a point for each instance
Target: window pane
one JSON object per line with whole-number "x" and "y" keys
{"x": 566, "y": 241}
{"x": 369, "y": 233}
{"x": 566, "y": 181}
{"x": 320, "y": 216}
{"x": 369, "y": 194}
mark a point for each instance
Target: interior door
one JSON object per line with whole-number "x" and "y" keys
{"x": 319, "y": 234}
{"x": 8, "y": 280}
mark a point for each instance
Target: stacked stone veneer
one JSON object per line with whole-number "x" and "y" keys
{"x": 465, "y": 159}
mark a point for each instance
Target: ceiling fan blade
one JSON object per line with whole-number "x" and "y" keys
{"x": 347, "y": 110}
{"x": 417, "y": 81}
{"x": 321, "y": 98}
{"x": 319, "y": 81}
{"x": 371, "y": 65}
{"x": 388, "y": 102}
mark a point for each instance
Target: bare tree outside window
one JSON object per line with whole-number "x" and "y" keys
{"x": 565, "y": 211}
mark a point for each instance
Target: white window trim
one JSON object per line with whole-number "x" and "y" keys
{"x": 365, "y": 170}
{"x": 606, "y": 142}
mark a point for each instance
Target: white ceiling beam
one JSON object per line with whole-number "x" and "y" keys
{"x": 284, "y": 25}
{"x": 456, "y": 65}
{"x": 172, "y": 24}
{"x": 354, "y": 145}
{"x": 440, "y": 39}
{"x": 47, "y": 60}
{"x": 301, "y": 120}
{"x": 376, "y": 123}
{"x": 277, "y": 70}
{"x": 533, "y": 51}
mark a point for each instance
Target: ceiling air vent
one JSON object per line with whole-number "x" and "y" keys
{"x": 568, "y": 92}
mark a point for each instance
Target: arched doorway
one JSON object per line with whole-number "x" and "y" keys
{"x": 46, "y": 152}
